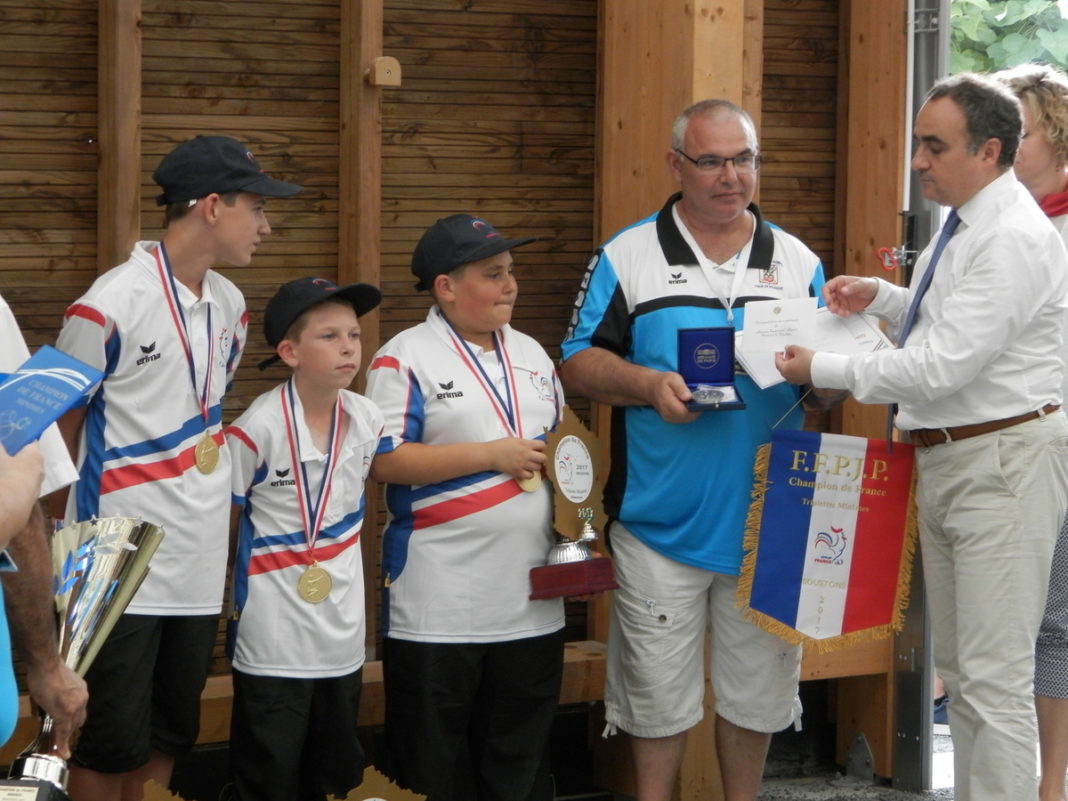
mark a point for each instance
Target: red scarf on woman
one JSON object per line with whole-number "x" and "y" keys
{"x": 1056, "y": 204}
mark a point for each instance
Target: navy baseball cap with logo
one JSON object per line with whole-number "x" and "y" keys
{"x": 454, "y": 241}
{"x": 295, "y": 297}
{"x": 214, "y": 164}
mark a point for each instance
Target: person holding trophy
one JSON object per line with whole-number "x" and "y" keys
{"x": 301, "y": 454}
{"x": 167, "y": 331}
{"x": 36, "y": 470}
{"x": 472, "y": 666}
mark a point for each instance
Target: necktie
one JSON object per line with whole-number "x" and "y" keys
{"x": 952, "y": 221}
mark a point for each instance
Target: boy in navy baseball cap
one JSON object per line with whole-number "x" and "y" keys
{"x": 301, "y": 455}
{"x": 168, "y": 331}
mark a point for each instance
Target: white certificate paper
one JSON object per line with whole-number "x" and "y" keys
{"x": 857, "y": 333}
{"x": 771, "y": 325}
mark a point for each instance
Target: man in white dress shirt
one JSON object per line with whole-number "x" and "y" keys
{"x": 977, "y": 377}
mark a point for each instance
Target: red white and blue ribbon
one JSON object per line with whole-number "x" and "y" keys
{"x": 170, "y": 293}
{"x": 829, "y": 539}
{"x": 312, "y": 513}
{"x": 507, "y": 405}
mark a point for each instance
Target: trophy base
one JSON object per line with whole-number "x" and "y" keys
{"x": 30, "y": 790}
{"x": 571, "y": 578}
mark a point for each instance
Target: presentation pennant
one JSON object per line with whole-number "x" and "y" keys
{"x": 829, "y": 538}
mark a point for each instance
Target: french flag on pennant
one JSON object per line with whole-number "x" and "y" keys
{"x": 829, "y": 538}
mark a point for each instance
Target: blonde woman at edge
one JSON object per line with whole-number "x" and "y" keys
{"x": 1042, "y": 166}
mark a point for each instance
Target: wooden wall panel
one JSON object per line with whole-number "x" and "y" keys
{"x": 799, "y": 121}
{"x": 267, "y": 74}
{"x": 495, "y": 118}
{"x": 48, "y": 121}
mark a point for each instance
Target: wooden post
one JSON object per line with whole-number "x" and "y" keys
{"x": 359, "y": 215}
{"x": 119, "y": 126}
{"x": 873, "y": 136}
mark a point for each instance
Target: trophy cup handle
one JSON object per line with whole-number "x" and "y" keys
{"x": 40, "y": 761}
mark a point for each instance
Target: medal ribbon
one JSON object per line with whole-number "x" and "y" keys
{"x": 170, "y": 292}
{"x": 311, "y": 514}
{"x": 506, "y": 407}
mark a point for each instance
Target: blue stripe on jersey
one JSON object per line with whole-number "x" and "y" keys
{"x": 413, "y": 413}
{"x": 331, "y": 532}
{"x": 190, "y": 428}
{"x": 245, "y": 533}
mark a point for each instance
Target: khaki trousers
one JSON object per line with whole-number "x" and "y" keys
{"x": 990, "y": 509}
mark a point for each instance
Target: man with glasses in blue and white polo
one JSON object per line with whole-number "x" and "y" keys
{"x": 680, "y": 481}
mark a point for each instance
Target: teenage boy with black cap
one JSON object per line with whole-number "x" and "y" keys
{"x": 301, "y": 454}
{"x": 472, "y": 666}
{"x": 167, "y": 330}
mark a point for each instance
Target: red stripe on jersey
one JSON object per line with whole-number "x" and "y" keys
{"x": 237, "y": 433}
{"x": 133, "y": 474}
{"x": 456, "y": 508}
{"x": 85, "y": 312}
{"x": 386, "y": 361}
{"x": 277, "y": 560}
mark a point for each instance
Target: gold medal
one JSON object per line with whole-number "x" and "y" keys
{"x": 206, "y": 454}
{"x": 314, "y": 584}
{"x": 529, "y": 484}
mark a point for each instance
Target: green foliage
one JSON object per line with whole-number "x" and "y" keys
{"x": 989, "y": 35}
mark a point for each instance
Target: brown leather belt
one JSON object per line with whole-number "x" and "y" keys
{"x": 937, "y": 436}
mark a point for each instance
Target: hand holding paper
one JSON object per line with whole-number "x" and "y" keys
{"x": 857, "y": 333}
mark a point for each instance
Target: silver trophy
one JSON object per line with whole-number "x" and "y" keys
{"x": 97, "y": 566}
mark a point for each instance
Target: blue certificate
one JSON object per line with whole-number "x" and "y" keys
{"x": 37, "y": 394}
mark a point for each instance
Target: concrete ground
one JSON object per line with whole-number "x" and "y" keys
{"x": 824, "y": 784}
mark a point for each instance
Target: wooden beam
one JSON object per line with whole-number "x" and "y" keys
{"x": 359, "y": 215}
{"x": 873, "y": 145}
{"x": 873, "y": 141}
{"x": 656, "y": 59}
{"x": 119, "y": 130}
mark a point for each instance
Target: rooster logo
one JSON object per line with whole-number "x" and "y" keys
{"x": 829, "y": 547}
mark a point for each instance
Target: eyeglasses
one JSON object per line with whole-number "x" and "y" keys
{"x": 744, "y": 162}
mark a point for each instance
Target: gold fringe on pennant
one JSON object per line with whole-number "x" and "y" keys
{"x": 751, "y": 543}
{"x": 751, "y": 538}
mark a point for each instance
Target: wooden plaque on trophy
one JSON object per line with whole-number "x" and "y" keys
{"x": 574, "y": 470}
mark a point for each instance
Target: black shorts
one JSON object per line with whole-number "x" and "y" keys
{"x": 472, "y": 720}
{"x": 295, "y": 739}
{"x": 144, "y": 691}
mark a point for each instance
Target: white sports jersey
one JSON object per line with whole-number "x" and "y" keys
{"x": 58, "y": 468}
{"x": 278, "y": 632}
{"x": 136, "y": 449}
{"x": 457, "y": 555}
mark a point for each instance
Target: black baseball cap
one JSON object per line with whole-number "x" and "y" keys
{"x": 295, "y": 297}
{"x": 454, "y": 241}
{"x": 206, "y": 164}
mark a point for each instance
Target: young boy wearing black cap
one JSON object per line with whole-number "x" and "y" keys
{"x": 168, "y": 331}
{"x": 472, "y": 666}
{"x": 301, "y": 454}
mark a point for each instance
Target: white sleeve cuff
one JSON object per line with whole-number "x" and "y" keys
{"x": 829, "y": 370}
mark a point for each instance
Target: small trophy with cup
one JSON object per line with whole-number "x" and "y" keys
{"x": 97, "y": 566}
{"x": 572, "y": 568}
